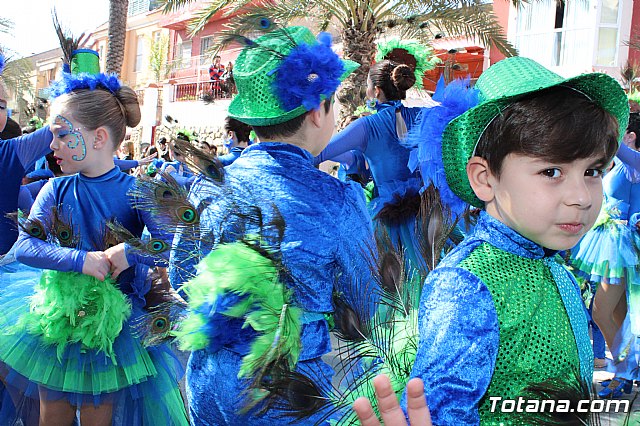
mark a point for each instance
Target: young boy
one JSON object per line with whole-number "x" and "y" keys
{"x": 501, "y": 313}
{"x": 326, "y": 222}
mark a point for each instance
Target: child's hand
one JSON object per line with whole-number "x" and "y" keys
{"x": 96, "y": 264}
{"x": 390, "y": 410}
{"x": 118, "y": 259}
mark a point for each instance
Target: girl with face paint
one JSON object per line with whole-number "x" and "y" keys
{"x": 75, "y": 325}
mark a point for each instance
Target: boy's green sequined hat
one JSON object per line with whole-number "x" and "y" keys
{"x": 504, "y": 83}
{"x": 257, "y": 72}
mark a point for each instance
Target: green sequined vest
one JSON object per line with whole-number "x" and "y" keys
{"x": 536, "y": 338}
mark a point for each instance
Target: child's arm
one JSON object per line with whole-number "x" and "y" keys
{"x": 37, "y": 253}
{"x": 630, "y": 157}
{"x": 354, "y": 136}
{"x": 33, "y": 146}
{"x": 458, "y": 346}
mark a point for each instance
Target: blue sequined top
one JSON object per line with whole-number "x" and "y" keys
{"x": 459, "y": 329}
{"x": 327, "y": 229}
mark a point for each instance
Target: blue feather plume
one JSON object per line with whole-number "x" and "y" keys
{"x": 425, "y": 139}
{"x": 307, "y": 73}
{"x": 2, "y": 62}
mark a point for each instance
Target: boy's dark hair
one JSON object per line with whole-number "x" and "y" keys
{"x": 634, "y": 126}
{"x": 11, "y": 130}
{"x": 241, "y": 129}
{"x": 557, "y": 125}
{"x": 392, "y": 78}
{"x": 288, "y": 128}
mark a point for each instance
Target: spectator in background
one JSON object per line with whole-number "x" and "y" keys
{"x": 215, "y": 73}
{"x": 228, "y": 84}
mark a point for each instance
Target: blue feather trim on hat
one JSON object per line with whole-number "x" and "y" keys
{"x": 71, "y": 82}
{"x": 425, "y": 139}
{"x": 2, "y": 62}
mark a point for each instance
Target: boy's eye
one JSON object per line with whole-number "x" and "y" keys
{"x": 551, "y": 173}
{"x": 594, "y": 172}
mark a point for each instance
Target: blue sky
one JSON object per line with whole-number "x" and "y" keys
{"x": 33, "y": 29}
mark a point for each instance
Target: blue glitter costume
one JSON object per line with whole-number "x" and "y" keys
{"x": 485, "y": 323}
{"x": 376, "y": 136}
{"x": 326, "y": 226}
{"x": 142, "y": 382}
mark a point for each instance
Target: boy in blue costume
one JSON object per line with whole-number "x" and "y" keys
{"x": 326, "y": 222}
{"x": 500, "y": 313}
{"x": 236, "y": 141}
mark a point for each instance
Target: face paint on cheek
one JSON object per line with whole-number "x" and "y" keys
{"x": 75, "y": 136}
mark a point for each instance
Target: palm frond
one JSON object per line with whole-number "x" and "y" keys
{"x": 204, "y": 15}
{"x": 6, "y": 25}
{"x": 173, "y": 5}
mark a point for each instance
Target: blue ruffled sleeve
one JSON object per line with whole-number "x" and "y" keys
{"x": 459, "y": 340}
{"x": 629, "y": 157}
{"x": 354, "y": 136}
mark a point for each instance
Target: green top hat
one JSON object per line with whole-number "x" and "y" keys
{"x": 85, "y": 60}
{"x": 257, "y": 73}
{"x": 502, "y": 84}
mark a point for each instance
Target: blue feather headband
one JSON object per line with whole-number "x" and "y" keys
{"x": 71, "y": 82}
{"x": 425, "y": 139}
{"x": 307, "y": 73}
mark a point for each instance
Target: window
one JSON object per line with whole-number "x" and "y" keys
{"x": 206, "y": 45}
{"x": 556, "y": 34}
{"x": 140, "y": 55}
{"x": 607, "y": 48}
{"x": 184, "y": 54}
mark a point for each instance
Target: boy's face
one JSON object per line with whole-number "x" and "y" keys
{"x": 551, "y": 204}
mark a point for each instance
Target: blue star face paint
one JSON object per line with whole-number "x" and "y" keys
{"x": 71, "y": 136}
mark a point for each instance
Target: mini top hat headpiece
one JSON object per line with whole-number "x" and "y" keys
{"x": 423, "y": 56}
{"x": 499, "y": 86}
{"x": 81, "y": 68}
{"x": 283, "y": 74}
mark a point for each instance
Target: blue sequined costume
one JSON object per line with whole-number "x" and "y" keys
{"x": 326, "y": 227}
{"x": 496, "y": 315}
{"x": 376, "y": 136}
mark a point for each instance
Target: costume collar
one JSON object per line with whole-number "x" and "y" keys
{"x": 501, "y": 236}
{"x": 106, "y": 176}
{"x": 384, "y": 105}
{"x": 276, "y": 149}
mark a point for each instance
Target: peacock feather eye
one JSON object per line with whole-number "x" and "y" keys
{"x": 64, "y": 235}
{"x": 157, "y": 246}
{"x": 160, "y": 325}
{"x": 213, "y": 172}
{"x": 187, "y": 215}
{"x": 265, "y": 23}
{"x": 165, "y": 193}
{"x": 36, "y": 231}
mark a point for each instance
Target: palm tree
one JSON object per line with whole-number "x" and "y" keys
{"x": 117, "y": 35}
{"x": 361, "y": 22}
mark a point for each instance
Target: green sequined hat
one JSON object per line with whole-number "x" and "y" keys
{"x": 267, "y": 65}
{"x": 502, "y": 84}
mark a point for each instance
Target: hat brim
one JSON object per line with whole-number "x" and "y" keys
{"x": 237, "y": 107}
{"x": 463, "y": 133}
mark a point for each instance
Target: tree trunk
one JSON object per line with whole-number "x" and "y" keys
{"x": 358, "y": 46}
{"x": 117, "y": 35}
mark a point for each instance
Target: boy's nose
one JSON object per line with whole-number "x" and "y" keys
{"x": 579, "y": 194}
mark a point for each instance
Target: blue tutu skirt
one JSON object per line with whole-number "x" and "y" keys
{"x": 140, "y": 382}
{"x": 609, "y": 251}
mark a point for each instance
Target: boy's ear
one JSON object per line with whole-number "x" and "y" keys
{"x": 316, "y": 115}
{"x": 479, "y": 175}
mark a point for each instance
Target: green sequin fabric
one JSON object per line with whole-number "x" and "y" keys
{"x": 536, "y": 338}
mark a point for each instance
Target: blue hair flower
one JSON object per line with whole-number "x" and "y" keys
{"x": 71, "y": 82}
{"x": 307, "y": 73}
